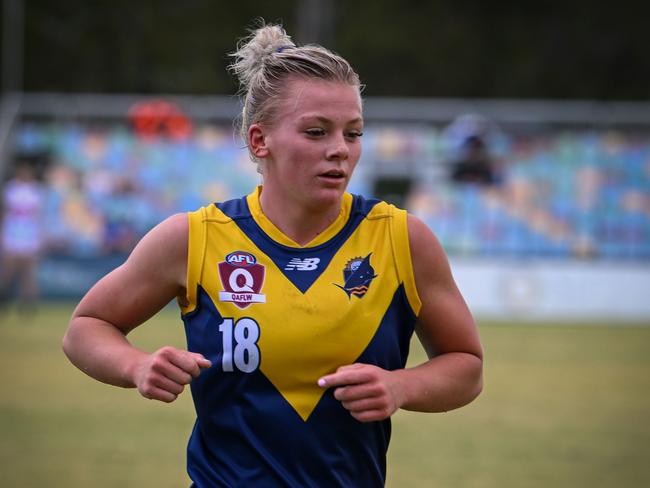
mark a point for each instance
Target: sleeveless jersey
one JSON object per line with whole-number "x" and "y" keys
{"x": 273, "y": 317}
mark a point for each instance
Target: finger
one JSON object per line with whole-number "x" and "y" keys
{"x": 189, "y": 362}
{"x": 351, "y": 376}
{"x": 348, "y": 367}
{"x": 370, "y": 415}
{"x": 168, "y": 385}
{"x": 168, "y": 369}
{"x": 164, "y": 396}
{"x": 155, "y": 393}
{"x": 201, "y": 361}
{"x": 327, "y": 380}
{"x": 177, "y": 375}
{"x": 357, "y": 392}
{"x": 358, "y": 406}
{"x": 165, "y": 362}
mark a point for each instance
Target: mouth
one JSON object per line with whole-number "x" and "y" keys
{"x": 333, "y": 175}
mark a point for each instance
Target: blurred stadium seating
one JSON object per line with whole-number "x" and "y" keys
{"x": 562, "y": 193}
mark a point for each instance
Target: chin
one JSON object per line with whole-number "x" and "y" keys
{"x": 324, "y": 197}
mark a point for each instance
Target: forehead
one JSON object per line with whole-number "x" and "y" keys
{"x": 320, "y": 98}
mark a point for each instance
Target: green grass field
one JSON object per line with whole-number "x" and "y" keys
{"x": 563, "y": 406}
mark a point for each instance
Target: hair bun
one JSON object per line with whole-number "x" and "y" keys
{"x": 253, "y": 50}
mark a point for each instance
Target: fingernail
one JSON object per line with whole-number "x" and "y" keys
{"x": 322, "y": 382}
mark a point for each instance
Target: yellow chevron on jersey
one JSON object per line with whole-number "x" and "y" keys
{"x": 317, "y": 306}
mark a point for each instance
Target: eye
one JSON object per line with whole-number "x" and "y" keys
{"x": 354, "y": 134}
{"x": 315, "y": 132}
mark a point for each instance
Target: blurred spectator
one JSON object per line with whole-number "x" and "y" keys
{"x": 475, "y": 164}
{"x": 467, "y": 141}
{"x": 75, "y": 226}
{"x": 22, "y": 235}
{"x": 120, "y": 233}
{"x": 160, "y": 118}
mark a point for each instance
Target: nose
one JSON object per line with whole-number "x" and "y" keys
{"x": 338, "y": 150}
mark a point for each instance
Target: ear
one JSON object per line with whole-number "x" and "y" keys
{"x": 257, "y": 141}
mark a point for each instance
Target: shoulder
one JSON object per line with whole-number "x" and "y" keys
{"x": 427, "y": 254}
{"x": 419, "y": 233}
{"x": 165, "y": 243}
{"x": 173, "y": 228}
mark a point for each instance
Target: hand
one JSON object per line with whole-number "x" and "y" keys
{"x": 370, "y": 393}
{"x": 163, "y": 374}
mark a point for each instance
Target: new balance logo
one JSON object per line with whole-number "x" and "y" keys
{"x": 307, "y": 264}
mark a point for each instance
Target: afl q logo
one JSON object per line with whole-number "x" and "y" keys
{"x": 242, "y": 278}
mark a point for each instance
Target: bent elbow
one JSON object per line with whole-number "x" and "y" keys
{"x": 68, "y": 341}
{"x": 478, "y": 388}
{"x": 476, "y": 385}
{"x": 66, "y": 344}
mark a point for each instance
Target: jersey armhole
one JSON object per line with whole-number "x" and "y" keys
{"x": 403, "y": 260}
{"x": 196, "y": 244}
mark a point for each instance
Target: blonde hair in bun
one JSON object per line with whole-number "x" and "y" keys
{"x": 267, "y": 58}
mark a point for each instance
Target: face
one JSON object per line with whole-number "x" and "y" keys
{"x": 311, "y": 148}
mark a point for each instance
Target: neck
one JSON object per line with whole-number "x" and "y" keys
{"x": 300, "y": 223}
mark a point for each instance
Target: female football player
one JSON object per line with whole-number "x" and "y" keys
{"x": 299, "y": 300}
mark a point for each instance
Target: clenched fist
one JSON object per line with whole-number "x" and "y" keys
{"x": 162, "y": 375}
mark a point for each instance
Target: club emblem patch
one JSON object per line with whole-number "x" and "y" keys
{"x": 242, "y": 278}
{"x": 357, "y": 276}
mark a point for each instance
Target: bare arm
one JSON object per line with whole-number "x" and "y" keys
{"x": 451, "y": 378}
{"x": 453, "y": 375}
{"x": 96, "y": 342}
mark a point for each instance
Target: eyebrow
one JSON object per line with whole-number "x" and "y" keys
{"x": 322, "y": 119}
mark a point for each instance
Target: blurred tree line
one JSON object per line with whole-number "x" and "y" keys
{"x": 439, "y": 48}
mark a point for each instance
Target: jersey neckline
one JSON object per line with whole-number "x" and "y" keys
{"x": 253, "y": 202}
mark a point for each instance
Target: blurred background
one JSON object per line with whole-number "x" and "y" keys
{"x": 520, "y": 133}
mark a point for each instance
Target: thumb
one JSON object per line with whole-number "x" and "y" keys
{"x": 201, "y": 361}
